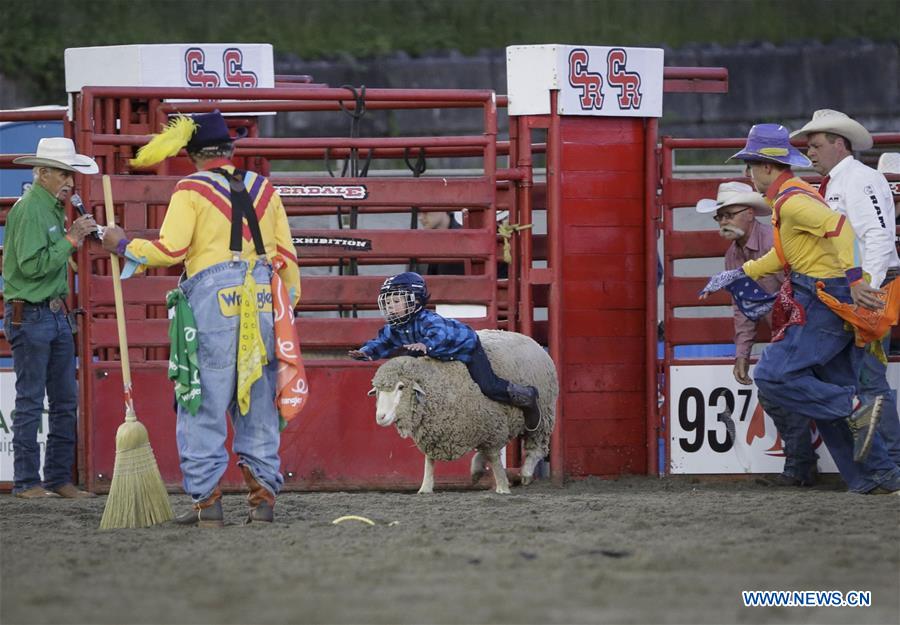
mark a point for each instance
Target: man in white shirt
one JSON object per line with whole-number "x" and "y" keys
{"x": 864, "y": 196}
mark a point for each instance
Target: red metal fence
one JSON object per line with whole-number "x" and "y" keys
{"x": 336, "y": 443}
{"x": 610, "y": 190}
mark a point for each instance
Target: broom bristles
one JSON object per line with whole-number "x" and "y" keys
{"x": 137, "y": 495}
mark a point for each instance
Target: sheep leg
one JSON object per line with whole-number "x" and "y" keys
{"x": 477, "y": 468}
{"x": 502, "y": 484}
{"x": 428, "y": 478}
{"x": 531, "y": 460}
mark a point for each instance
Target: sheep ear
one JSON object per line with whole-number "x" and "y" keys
{"x": 373, "y": 392}
{"x": 420, "y": 393}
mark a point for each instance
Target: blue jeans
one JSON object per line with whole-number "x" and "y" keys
{"x": 201, "y": 437}
{"x": 814, "y": 372}
{"x": 872, "y": 383}
{"x": 43, "y": 354}
{"x": 799, "y": 457}
{"x": 482, "y": 373}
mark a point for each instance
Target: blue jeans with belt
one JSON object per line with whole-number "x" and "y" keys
{"x": 43, "y": 353}
{"x": 201, "y": 437}
{"x": 814, "y": 372}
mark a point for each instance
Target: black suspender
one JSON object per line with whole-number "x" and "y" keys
{"x": 241, "y": 208}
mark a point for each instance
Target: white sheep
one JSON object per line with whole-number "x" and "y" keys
{"x": 446, "y": 414}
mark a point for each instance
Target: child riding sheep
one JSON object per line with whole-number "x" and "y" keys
{"x": 414, "y": 330}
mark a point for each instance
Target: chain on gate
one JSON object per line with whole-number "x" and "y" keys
{"x": 352, "y": 169}
{"x": 418, "y": 168}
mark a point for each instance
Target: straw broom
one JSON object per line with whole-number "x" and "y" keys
{"x": 137, "y": 495}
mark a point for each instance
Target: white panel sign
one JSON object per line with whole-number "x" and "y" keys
{"x": 244, "y": 65}
{"x": 718, "y": 426}
{"x": 7, "y": 403}
{"x": 612, "y": 81}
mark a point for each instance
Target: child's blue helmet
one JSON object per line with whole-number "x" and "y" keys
{"x": 402, "y": 296}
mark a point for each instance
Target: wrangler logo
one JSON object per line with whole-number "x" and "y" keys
{"x": 230, "y": 300}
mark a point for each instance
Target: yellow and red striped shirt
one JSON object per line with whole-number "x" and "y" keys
{"x": 197, "y": 227}
{"x": 817, "y": 241}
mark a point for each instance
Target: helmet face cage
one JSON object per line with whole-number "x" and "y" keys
{"x": 398, "y": 305}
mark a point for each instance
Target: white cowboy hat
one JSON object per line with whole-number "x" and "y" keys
{"x": 835, "y": 122}
{"x": 59, "y": 152}
{"x": 735, "y": 194}
{"x": 889, "y": 163}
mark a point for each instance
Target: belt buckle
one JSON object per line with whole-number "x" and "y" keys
{"x": 55, "y": 304}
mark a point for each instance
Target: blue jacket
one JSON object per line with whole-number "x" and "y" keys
{"x": 446, "y": 339}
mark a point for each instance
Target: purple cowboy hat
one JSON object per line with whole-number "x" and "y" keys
{"x": 770, "y": 142}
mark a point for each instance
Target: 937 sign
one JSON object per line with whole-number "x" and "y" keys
{"x": 700, "y": 430}
{"x": 718, "y": 426}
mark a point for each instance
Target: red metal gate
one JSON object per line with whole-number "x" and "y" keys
{"x": 336, "y": 443}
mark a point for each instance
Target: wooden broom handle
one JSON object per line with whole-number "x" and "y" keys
{"x": 120, "y": 305}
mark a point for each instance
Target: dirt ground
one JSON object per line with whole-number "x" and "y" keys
{"x": 633, "y": 550}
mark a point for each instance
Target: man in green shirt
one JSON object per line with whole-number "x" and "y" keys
{"x": 35, "y": 282}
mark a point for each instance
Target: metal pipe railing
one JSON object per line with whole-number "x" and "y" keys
{"x": 651, "y": 227}
{"x": 554, "y": 263}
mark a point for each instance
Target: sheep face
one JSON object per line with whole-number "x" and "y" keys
{"x": 389, "y": 405}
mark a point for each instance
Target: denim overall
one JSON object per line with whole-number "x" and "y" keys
{"x": 814, "y": 371}
{"x": 201, "y": 437}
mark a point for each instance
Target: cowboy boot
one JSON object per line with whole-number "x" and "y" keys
{"x": 526, "y": 398}
{"x": 206, "y": 513}
{"x": 261, "y": 500}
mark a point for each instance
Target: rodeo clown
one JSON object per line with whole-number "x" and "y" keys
{"x": 414, "y": 330}
{"x": 811, "y": 366}
{"x": 225, "y": 225}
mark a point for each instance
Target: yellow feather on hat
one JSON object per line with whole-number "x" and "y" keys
{"x": 167, "y": 143}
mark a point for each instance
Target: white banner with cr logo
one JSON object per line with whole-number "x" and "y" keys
{"x": 592, "y": 80}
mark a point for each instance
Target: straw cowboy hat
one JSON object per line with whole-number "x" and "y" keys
{"x": 889, "y": 163}
{"x": 59, "y": 152}
{"x": 735, "y": 194}
{"x": 771, "y": 143}
{"x": 835, "y": 122}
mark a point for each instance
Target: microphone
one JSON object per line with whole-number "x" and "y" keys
{"x": 79, "y": 206}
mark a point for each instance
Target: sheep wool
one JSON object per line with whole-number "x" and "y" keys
{"x": 441, "y": 408}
